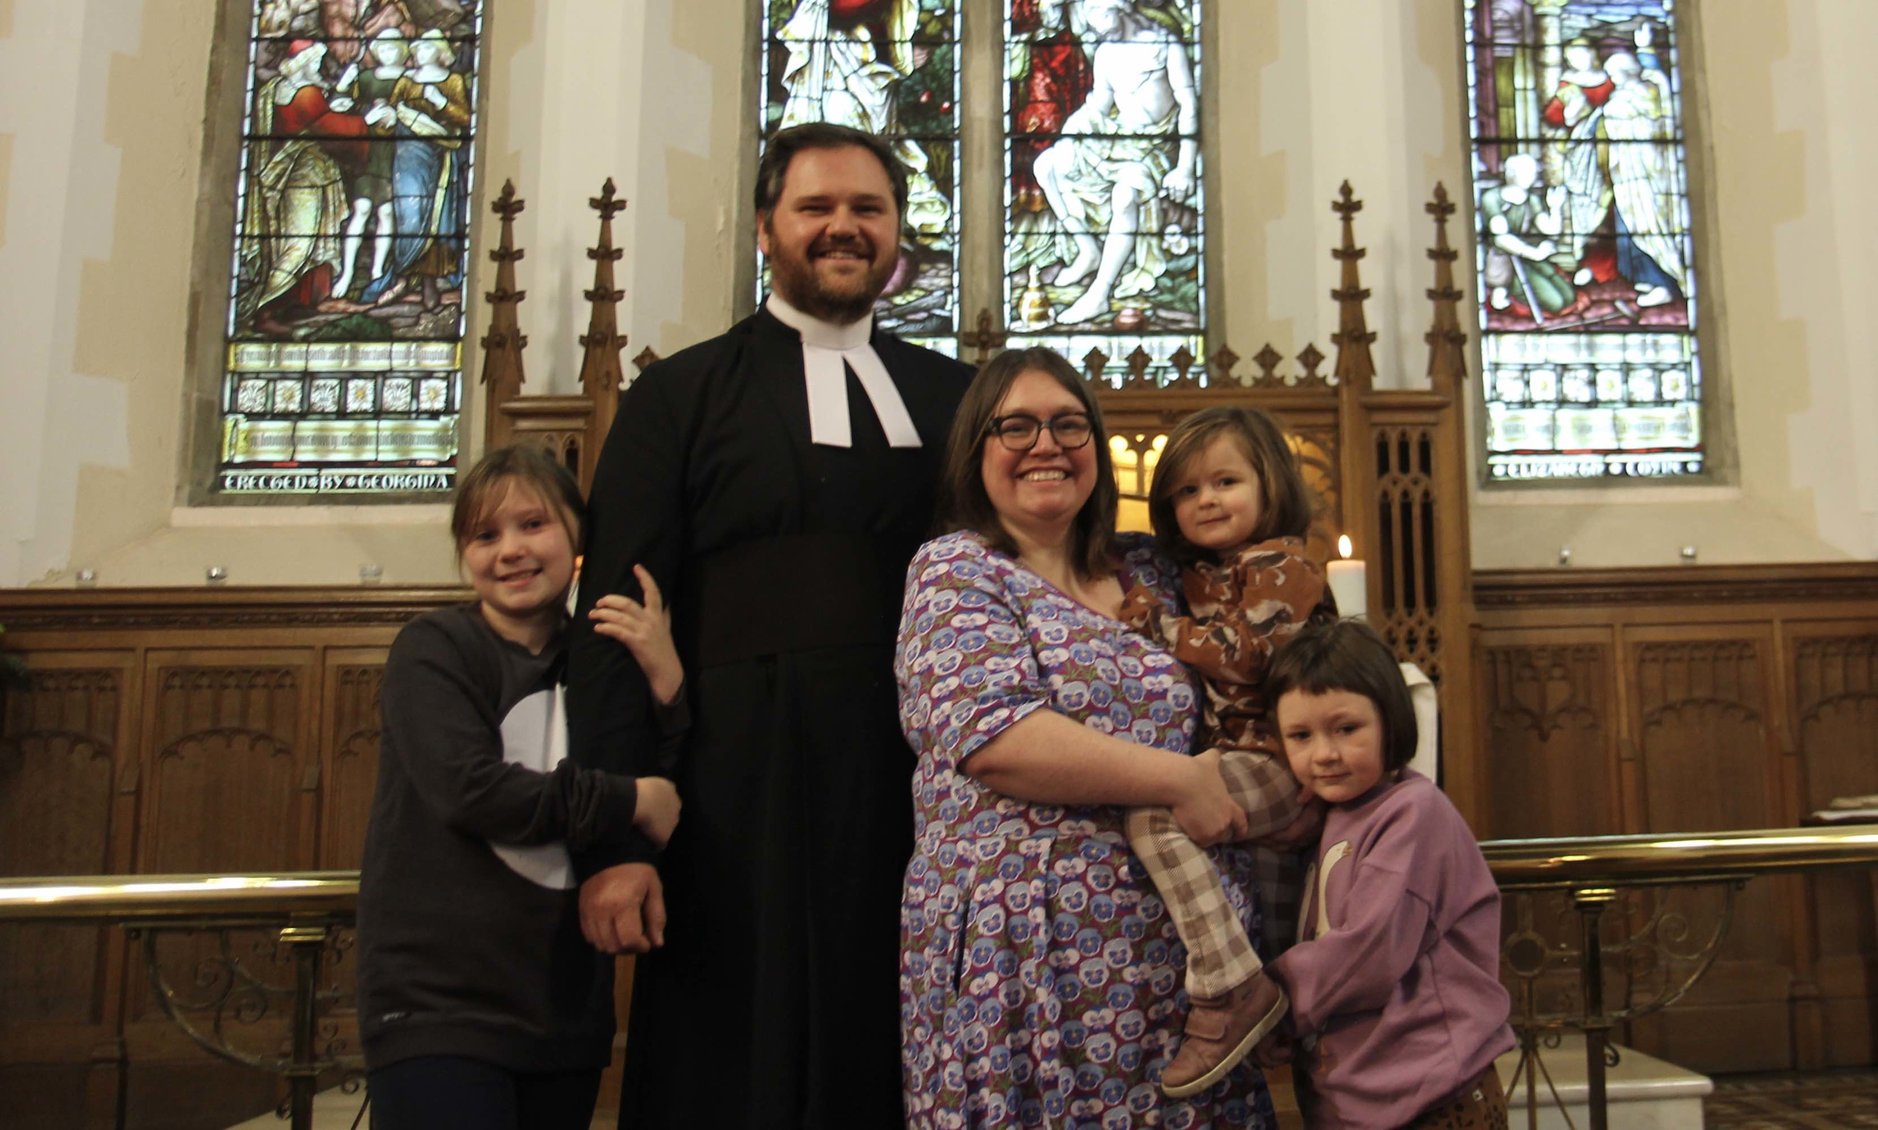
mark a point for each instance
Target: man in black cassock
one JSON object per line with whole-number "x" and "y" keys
{"x": 776, "y": 481}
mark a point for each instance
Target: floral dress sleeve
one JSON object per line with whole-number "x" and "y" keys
{"x": 964, "y": 663}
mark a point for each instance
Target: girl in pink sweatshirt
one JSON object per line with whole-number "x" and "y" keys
{"x": 1397, "y": 1011}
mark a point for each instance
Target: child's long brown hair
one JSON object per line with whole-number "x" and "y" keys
{"x": 483, "y": 487}
{"x": 1285, "y": 502}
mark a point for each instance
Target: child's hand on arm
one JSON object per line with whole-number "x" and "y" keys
{"x": 646, "y": 630}
{"x": 657, "y": 811}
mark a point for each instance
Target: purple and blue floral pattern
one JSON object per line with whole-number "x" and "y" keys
{"x": 1039, "y": 972}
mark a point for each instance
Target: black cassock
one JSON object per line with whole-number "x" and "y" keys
{"x": 775, "y": 1001}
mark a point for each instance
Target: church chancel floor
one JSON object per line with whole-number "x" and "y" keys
{"x": 1827, "y": 1100}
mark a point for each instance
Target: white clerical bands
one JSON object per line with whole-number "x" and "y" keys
{"x": 827, "y": 351}
{"x": 828, "y": 396}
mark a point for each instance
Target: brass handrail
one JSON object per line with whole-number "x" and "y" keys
{"x": 309, "y": 909}
{"x": 1517, "y": 865}
{"x": 143, "y": 898}
{"x": 1675, "y": 857}
{"x": 1592, "y": 870}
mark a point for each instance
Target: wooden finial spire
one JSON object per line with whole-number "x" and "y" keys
{"x": 600, "y": 374}
{"x": 503, "y": 343}
{"x": 1447, "y": 365}
{"x": 1355, "y": 367}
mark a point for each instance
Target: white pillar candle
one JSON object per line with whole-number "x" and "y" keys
{"x": 1349, "y": 581}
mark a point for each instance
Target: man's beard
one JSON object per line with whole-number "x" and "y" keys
{"x": 796, "y": 279}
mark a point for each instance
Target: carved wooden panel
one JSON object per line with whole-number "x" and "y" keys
{"x": 1835, "y": 703}
{"x": 58, "y": 764}
{"x": 228, "y": 745}
{"x": 1701, "y": 720}
{"x": 1835, "y": 719}
{"x": 243, "y": 739}
{"x": 1551, "y": 736}
{"x": 350, "y": 754}
{"x": 1701, "y": 707}
{"x": 227, "y": 748}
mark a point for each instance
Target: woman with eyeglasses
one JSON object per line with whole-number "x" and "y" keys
{"x": 1039, "y": 972}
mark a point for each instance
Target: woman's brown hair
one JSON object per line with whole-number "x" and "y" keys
{"x": 963, "y": 503}
{"x": 1284, "y": 502}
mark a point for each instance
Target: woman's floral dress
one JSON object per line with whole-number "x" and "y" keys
{"x": 1039, "y": 971}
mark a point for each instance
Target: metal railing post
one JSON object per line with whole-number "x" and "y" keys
{"x": 308, "y": 945}
{"x": 1591, "y": 902}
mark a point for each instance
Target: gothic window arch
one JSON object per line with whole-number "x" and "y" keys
{"x": 342, "y": 323}
{"x": 1588, "y": 281}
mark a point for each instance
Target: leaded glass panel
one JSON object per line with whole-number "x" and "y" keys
{"x": 351, "y": 248}
{"x": 889, "y": 67}
{"x": 1104, "y": 246}
{"x": 1587, "y": 284}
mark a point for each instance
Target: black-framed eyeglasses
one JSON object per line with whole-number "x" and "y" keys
{"x": 1019, "y": 430}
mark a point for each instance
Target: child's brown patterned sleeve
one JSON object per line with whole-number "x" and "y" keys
{"x": 1139, "y": 607}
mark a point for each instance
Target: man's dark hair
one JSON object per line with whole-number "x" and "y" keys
{"x": 783, "y": 148}
{"x": 1348, "y": 655}
{"x": 963, "y": 502}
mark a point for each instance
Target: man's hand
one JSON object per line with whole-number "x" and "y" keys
{"x": 622, "y": 909}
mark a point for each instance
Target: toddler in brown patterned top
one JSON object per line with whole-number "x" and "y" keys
{"x": 1229, "y": 503}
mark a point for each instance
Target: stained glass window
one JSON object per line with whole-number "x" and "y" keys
{"x": 1103, "y": 242}
{"x": 1587, "y": 276}
{"x": 889, "y": 67}
{"x": 345, "y": 315}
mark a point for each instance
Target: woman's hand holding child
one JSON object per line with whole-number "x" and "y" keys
{"x": 1206, "y": 811}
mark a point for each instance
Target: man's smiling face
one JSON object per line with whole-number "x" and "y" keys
{"x": 834, "y": 236}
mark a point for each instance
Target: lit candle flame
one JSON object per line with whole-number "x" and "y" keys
{"x": 1343, "y": 545}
